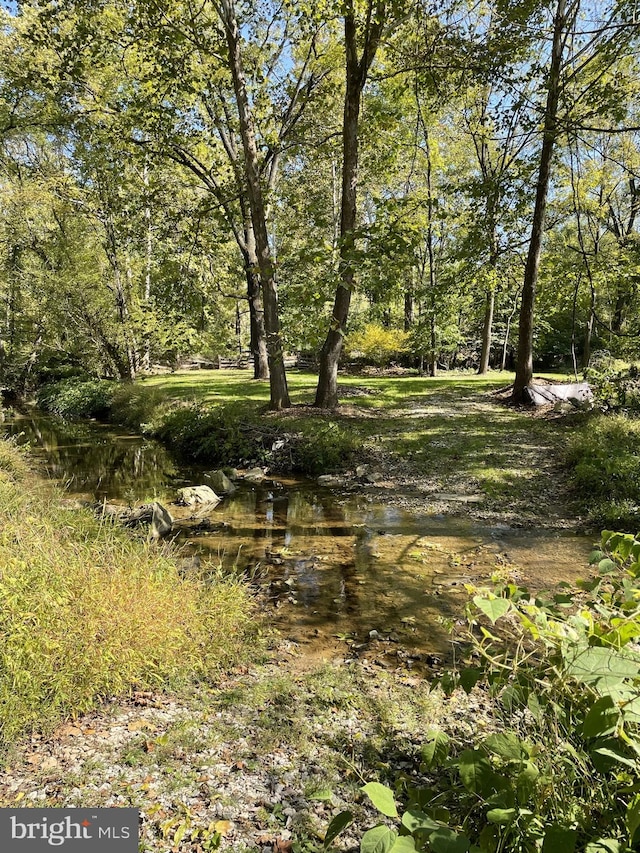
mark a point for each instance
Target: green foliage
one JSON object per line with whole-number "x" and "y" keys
{"x": 605, "y": 459}
{"x": 616, "y": 386}
{"x": 321, "y": 446}
{"x": 561, "y": 772}
{"x": 377, "y": 345}
{"x": 88, "y": 612}
{"x": 219, "y": 435}
{"x": 73, "y": 398}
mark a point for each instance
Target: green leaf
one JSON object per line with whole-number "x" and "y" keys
{"x": 477, "y": 774}
{"x": 404, "y": 844}
{"x": 445, "y": 840}
{"x": 602, "y": 718}
{"x": 415, "y": 820}
{"x": 616, "y": 756}
{"x": 502, "y": 816}
{"x": 380, "y": 839}
{"x": 600, "y": 667}
{"x": 494, "y": 608}
{"x": 382, "y": 798}
{"x": 506, "y": 745}
{"x": 559, "y": 839}
{"x": 605, "y": 566}
{"x": 339, "y": 823}
{"x": 603, "y": 845}
{"x": 469, "y": 677}
{"x": 526, "y": 781}
{"x": 632, "y": 818}
{"x": 435, "y": 749}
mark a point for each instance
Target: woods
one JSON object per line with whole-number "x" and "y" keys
{"x": 231, "y": 177}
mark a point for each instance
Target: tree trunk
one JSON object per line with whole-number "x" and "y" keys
{"x": 524, "y": 364}
{"x": 356, "y": 75}
{"x": 258, "y": 336}
{"x": 586, "y": 352}
{"x": 487, "y": 332}
{"x": 278, "y": 379}
{"x": 327, "y": 391}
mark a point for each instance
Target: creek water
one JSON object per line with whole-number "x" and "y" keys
{"x": 347, "y": 574}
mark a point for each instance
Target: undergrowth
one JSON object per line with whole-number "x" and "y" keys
{"x": 88, "y": 612}
{"x": 604, "y": 456}
{"x": 562, "y": 770}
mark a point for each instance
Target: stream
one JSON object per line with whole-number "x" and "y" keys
{"x": 347, "y": 574}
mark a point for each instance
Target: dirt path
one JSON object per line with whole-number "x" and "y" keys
{"x": 463, "y": 453}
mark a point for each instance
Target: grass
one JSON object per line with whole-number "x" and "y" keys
{"x": 88, "y": 612}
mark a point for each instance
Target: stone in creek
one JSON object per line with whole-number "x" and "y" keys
{"x": 161, "y": 521}
{"x": 254, "y": 475}
{"x": 220, "y": 483}
{"x": 197, "y": 495}
{"x": 333, "y": 481}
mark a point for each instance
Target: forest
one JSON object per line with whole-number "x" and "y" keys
{"x": 433, "y": 187}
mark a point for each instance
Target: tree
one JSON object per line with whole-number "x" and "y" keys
{"x": 357, "y": 65}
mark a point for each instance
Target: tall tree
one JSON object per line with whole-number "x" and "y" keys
{"x": 357, "y": 65}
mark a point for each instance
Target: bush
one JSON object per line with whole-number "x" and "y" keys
{"x": 87, "y": 612}
{"x": 71, "y": 398}
{"x": 376, "y": 344}
{"x": 322, "y": 447}
{"x": 221, "y": 435}
{"x": 605, "y": 460}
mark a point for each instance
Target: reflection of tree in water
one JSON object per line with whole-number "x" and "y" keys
{"x": 90, "y": 459}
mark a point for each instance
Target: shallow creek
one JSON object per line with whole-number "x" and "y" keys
{"x": 348, "y": 575}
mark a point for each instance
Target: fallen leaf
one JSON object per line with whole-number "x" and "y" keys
{"x": 139, "y": 725}
{"x": 20, "y": 796}
{"x": 68, "y": 730}
{"x": 223, "y": 827}
{"x": 34, "y": 759}
{"x": 283, "y": 846}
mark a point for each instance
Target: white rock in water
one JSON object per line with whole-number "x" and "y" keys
{"x": 194, "y": 495}
{"x": 254, "y": 475}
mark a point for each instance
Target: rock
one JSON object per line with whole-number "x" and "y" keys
{"x": 197, "y": 495}
{"x": 161, "y": 521}
{"x": 220, "y": 483}
{"x": 332, "y": 481}
{"x": 577, "y": 393}
{"x": 374, "y": 477}
{"x": 362, "y": 471}
{"x": 254, "y": 475}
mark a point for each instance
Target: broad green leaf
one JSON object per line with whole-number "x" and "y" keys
{"x": 404, "y": 844}
{"x": 445, "y": 840}
{"x": 603, "y": 845}
{"x": 339, "y": 823}
{"x": 632, "y": 818}
{"x": 494, "y": 608}
{"x": 506, "y": 745}
{"x": 616, "y": 756}
{"x": 559, "y": 839}
{"x": 382, "y": 798}
{"x": 601, "y": 667}
{"x": 502, "y": 816}
{"x": 478, "y": 775}
{"x": 602, "y": 718}
{"x": 435, "y": 748}
{"x": 526, "y": 781}
{"x": 469, "y": 677}
{"x": 415, "y": 820}
{"x": 596, "y": 556}
{"x": 380, "y": 839}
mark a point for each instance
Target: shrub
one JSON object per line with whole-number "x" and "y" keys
{"x": 220, "y": 435}
{"x": 605, "y": 460}
{"x": 87, "y": 612}
{"x": 376, "y": 344}
{"x": 71, "y": 398}
{"x": 322, "y": 447}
